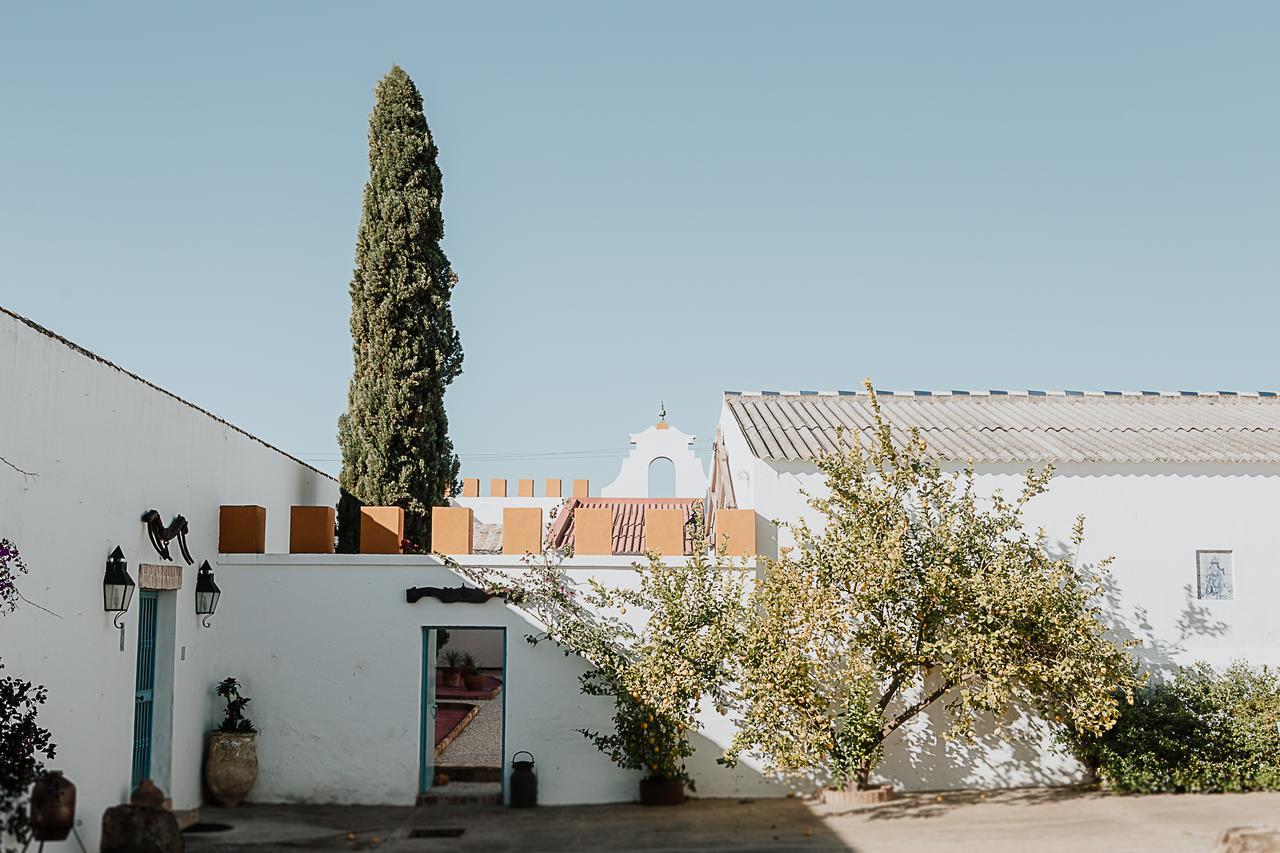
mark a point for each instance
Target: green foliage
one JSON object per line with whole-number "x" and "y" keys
{"x": 22, "y": 744}
{"x": 395, "y": 434}
{"x": 234, "y": 721}
{"x": 657, "y": 649}
{"x": 1202, "y": 731}
{"x": 916, "y": 591}
{"x": 453, "y": 659}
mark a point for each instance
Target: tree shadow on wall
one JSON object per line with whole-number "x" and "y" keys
{"x": 1025, "y": 754}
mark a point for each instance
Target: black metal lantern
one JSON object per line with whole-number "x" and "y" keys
{"x": 117, "y": 586}
{"x": 207, "y": 593}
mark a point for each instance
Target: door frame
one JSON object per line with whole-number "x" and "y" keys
{"x": 426, "y": 731}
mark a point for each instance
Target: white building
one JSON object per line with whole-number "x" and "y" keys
{"x": 1174, "y": 486}
{"x": 339, "y": 662}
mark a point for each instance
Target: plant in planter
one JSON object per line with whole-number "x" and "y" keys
{"x": 451, "y": 669}
{"x": 471, "y": 676}
{"x": 658, "y": 664}
{"x": 232, "y": 765}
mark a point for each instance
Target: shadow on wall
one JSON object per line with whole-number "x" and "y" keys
{"x": 920, "y": 757}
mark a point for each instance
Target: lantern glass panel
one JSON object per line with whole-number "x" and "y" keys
{"x": 117, "y": 596}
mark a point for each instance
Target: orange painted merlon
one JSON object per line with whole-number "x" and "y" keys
{"x": 736, "y": 532}
{"x": 593, "y": 531}
{"x": 524, "y": 488}
{"x": 451, "y": 529}
{"x": 522, "y": 530}
{"x": 498, "y": 488}
{"x": 311, "y": 529}
{"x": 242, "y": 530}
{"x": 581, "y": 488}
{"x": 381, "y": 529}
{"x": 664, "y": 531}
{"x": 553, "y": 488}
{"x": 662, "y": 425}
{"x": 471, "y": 487}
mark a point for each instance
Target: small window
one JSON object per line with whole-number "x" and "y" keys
{"x": 1214, "y": 578}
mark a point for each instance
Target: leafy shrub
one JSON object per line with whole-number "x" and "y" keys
{"x": 1203, "y": 731}
{"x": 22, "y": 742}
{"x": 235, "y": 720}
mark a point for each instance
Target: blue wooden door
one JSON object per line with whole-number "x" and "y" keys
{"x": 145, "y": 686}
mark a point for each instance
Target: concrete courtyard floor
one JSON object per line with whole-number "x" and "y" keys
{"x": 1033, "y": 819}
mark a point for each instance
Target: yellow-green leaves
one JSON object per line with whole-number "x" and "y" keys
{"x": 915, "y": 591}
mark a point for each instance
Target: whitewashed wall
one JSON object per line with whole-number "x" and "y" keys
{"x": 1151, "y": 518}
{"x": 331, "y": 654}
{"x": 106, "y": 447}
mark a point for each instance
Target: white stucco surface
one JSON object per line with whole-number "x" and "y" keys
{"x": 105, "y": 447}
{"x": 1151, "y": 518}
{"x": 332, "y": 655}
{"x": 658, "y": 442}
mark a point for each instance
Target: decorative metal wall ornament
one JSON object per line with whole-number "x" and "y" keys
{"x": 207, "y": 593}
{"x": 448, "y": 594}
{"x": 161, "y": 535}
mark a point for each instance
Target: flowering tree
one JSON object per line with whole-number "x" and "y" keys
{"x": 11, "y": 566}
{"x": 658, "y": 665}
{"x": 22, "y": 741}
{"x": 916, "y": 592}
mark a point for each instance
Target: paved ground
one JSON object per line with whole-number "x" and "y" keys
{"x": 480, "y": 743}
{"x": 999, "y": 822}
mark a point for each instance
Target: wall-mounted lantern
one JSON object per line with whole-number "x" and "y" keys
{"x": 207, "y": 593}
{"x": 117, "y": 587}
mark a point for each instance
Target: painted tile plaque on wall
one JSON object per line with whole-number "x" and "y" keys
{"x": 1213, "y": 575}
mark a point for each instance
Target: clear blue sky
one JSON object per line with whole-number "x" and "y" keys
{"x": 654, "y": 203}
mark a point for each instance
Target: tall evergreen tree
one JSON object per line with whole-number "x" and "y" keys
{"x": 395, "y": 435}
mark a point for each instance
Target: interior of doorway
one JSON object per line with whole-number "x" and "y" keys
{"x": 466, "y": 710}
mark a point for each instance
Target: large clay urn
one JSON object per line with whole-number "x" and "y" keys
{"x": 232, "y": 767}
{"x": 53, "y": 807}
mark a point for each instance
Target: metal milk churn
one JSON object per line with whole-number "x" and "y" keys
{"x": 524, "y": 783}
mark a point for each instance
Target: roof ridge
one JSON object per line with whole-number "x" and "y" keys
{"x": 1010, "y": 392}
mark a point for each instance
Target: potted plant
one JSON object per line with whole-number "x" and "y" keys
{"x": 659, "y": 669}
{"x": 451, "y": 671}
{"x": 232, "y": 765}
{"x": 471, "y": 676}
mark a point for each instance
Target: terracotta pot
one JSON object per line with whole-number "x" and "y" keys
{"x": 450, "y": 676}
{"x": 232, "y": 766}
{"x": 53, "y": 807}
{"x": 661, "y": 792}
{"x": 474, "y": 682}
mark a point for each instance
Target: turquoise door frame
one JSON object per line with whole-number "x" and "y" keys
{"x": 144, "y": 686}
{"x": 427, "y": 732}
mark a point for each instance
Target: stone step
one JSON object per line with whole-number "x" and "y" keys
{"x": 470, "y": 773}
{"x": 463, "y": 794}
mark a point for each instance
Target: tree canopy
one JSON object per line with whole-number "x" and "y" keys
{"x": 395, "y": 440}
{"x": 917, "y": 591}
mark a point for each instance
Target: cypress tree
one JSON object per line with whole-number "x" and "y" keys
{"x": 395, "y": 435}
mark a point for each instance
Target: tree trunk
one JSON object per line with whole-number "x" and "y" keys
{"x": 862, "y": 781}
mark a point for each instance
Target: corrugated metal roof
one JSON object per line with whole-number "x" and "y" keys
{"x": 628, "y": 521}
{"x": 1024, "y": 426}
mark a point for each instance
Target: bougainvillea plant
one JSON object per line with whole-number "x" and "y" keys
{"x": 916, "y": 593}
{"x": 11, "y": 566}
{"x": 658, "y": 649}
{"x": 24, "y": 745}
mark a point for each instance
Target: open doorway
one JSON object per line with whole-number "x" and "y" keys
{"x": 464, "y": 715}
